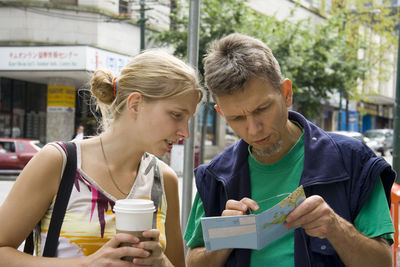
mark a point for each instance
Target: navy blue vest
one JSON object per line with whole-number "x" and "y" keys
{"x": 340, "y": 169}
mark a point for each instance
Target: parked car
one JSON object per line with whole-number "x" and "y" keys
{"x": 382, "y": 138}
{"x": 356, "y": 135}
{"x": 17, "y": 153}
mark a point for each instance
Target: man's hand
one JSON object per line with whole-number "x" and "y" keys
{"x": 318, "y": 219}
{"x": 315, "y": 216}
{"x": 235, "y": 208}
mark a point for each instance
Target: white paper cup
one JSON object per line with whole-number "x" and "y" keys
{"x": 133, "y": 216}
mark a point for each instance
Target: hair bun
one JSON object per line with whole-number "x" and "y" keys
{"x": 102, "y": 86}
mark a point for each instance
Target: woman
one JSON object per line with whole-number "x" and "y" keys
{"x": 145, "y": 109}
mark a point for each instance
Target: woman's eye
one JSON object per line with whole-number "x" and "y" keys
{"x": 176, "y": 115}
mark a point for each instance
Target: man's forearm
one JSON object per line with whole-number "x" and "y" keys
{"x": 355, "y": 249}
{"x": 200, "y": 257}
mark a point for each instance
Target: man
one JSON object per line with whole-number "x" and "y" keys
{"x": 345, "y": 218}
{"x": 2, "y": 149}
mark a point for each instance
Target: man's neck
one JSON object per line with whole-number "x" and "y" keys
{"x": 293, "y": 133}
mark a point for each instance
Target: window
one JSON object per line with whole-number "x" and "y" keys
{"x": 9, "y": 146}
{"x": 68, "y": 2}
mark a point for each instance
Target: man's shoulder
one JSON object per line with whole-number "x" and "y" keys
{"x": 348, "y": 143}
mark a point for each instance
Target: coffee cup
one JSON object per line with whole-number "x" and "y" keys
{"x": 133, "y": 216}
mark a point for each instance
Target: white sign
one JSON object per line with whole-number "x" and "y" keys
{"x": 100, "y": 59}
{"x": 177, "y": 158}
{"x": 60, "y": 58}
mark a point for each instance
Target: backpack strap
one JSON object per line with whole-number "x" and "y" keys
{"x": 60, "y": 206}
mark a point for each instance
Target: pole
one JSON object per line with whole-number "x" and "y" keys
{"x": 339, "y": 125}
{"x": 396, "y": 137}
{"x": 193, "y": 57}
{"x": 142, "y": 23}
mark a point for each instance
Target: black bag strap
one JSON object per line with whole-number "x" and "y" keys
{"x": 60, "y": 206}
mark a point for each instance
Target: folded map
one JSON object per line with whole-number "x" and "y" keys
{"x": 253, "y": 231}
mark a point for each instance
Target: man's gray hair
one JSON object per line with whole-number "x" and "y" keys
{"x": 235, "y": 59}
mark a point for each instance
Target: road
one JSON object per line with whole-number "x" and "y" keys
{"x": 6, "y": 182}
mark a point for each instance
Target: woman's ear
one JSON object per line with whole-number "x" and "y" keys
{"x": 133, "y": 102}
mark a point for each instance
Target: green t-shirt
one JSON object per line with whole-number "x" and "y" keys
{"x": 283, "y": 177}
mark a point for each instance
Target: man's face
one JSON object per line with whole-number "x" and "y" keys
{"x": 259, "y": 115}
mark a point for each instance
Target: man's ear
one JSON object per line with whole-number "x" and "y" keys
{"x": 133, "y": 102}
{"x": 218, "y": 110}
{"x": 287, "y": 92}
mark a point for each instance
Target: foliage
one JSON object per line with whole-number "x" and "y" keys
{"x": 319, "y": 59}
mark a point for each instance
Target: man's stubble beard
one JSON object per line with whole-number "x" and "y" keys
{"x": 276, "y": 147}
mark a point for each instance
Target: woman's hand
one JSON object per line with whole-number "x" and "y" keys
{"x": 111, "y": 253}
{"x": 156, "y": 257}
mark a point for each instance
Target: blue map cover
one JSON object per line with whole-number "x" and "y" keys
{"x": 253, "y": 231}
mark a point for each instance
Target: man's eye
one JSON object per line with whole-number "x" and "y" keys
{"x": 238, "y": 118}
{"x": 260, "y": 110}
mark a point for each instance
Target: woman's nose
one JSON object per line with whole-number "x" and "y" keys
{"x": 183, "y": 131}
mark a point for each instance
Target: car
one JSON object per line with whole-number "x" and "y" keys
{"x": 356, "y": 135}
{"x": 16, "y": 153}
{"x": 382, "y": 139}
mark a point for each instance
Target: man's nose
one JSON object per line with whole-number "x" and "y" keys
{"x": 253, "y": 125}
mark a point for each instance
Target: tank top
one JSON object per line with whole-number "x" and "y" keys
{"x": 89, "y": 220}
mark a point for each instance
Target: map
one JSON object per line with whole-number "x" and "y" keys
{"x": 253, "y": 231}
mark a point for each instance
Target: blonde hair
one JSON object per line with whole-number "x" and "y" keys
{"x": 235, "y": 59}
{"x": 155, "y": 74}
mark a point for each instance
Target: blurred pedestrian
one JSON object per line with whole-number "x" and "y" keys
{"x": 79, "y": 133}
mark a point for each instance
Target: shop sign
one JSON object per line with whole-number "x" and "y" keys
{"x": 60, "y": 98}
{"x": 371, "y": 108}
{"x": 42, "y": 58}
{"x": 60, "y": 58}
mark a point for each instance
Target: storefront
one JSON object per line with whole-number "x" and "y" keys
{"x": 39, "y": 85}
{"x": 22, "y": 109}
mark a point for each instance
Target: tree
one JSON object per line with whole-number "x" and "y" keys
{"x": 319, "y": 59}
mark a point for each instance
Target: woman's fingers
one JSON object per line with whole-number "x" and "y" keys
{"x": 121, "y": 238}
{"x": 154, "y": 234}
{"x": 153, "y": 247}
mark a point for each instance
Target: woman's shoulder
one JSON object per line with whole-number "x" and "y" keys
{"x": 167, "y": 171}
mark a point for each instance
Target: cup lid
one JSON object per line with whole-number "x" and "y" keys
{"x": 132, "y": 205}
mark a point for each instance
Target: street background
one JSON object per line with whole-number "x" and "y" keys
{"x": 6, "y": 182}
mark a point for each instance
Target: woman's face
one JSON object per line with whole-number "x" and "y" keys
{"x": 164, "y": 122}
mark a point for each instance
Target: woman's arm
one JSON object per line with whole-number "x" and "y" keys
{"x": 30, "y": 197}
{"x": 27, "y": 202}
{"x": 174, "y": 250}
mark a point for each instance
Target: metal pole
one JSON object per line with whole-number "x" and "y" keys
{"x": 396, "y": 145}
{"x": 142, "y": 23}
{"x": 193, "y": 57}
{"x": 339, "y": 125}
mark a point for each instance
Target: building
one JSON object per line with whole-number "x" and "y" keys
{"x": 49, "y": 49}
{"x": 376, "y": 108}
